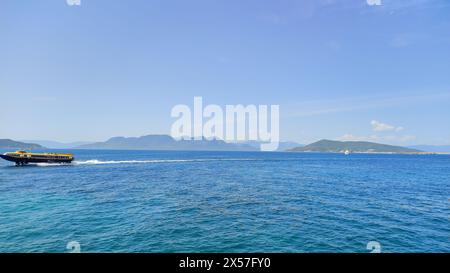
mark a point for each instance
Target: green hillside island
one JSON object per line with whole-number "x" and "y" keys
{"x": 16, "y": 145}
{"x": 331, "y": 146}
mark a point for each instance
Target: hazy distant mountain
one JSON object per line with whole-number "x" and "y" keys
{"x": 11, "y": 144}
{"x": 58, "y": 145}
{"x": 287, "y": 145}
{"x": 352, "y": 146}
{"x": 165, "y": 142}
{"x": 432, "y": 148}
{"x": 283, "y": 145}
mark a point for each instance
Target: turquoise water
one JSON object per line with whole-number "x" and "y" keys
{"x": 146, "y": 201}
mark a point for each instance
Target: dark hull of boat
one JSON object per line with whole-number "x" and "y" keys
{"x": 23, "y": 161}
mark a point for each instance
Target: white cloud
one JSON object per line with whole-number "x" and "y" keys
{"x": 382, "y": 127}
{"x": 374, "y": 2}
{"x": 73, "y": 2}
{"x": 383, "y": 138}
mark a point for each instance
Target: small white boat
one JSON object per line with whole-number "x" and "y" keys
{"x": 347, "y": 152}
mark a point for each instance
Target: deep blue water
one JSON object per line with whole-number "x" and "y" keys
{"x": 147, "y": 201}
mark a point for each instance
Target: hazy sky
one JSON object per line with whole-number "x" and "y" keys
{"x": 339, "y": 69}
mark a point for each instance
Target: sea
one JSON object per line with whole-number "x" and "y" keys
{"x": 184, "y": 201}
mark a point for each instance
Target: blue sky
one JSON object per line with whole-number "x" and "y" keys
{"x": 339, "y": 69}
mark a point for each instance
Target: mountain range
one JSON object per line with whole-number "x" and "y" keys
{"x": 50, "y": 144}
{"x": 166, "y": 142}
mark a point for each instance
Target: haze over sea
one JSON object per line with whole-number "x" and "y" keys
{"x": 166, "y": 201}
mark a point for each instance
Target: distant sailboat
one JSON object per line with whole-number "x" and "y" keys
{"x": 347, "y": 152}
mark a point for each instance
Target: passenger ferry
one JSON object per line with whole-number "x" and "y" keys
{"x": 22, "y": 157}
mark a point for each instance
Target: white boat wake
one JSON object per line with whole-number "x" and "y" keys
{"x": 105, "y": 162}
{"x": 100, "y": 162}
